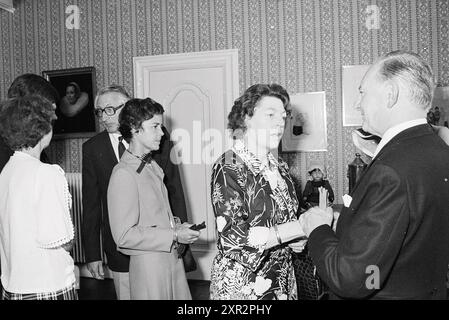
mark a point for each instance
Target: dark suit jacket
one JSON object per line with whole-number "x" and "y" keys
{"x": 398, "y": 221}
{"x": 172, "y": 179}
{"x": 98, "y": 161}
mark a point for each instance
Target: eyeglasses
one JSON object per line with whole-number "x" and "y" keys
{"x": 110, "y": 111}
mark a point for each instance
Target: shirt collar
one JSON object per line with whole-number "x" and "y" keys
{"x": 115, "y": 135}
{"x": 24, "y": 155}
{"x": 394, "y": 131}
{"x": 253, "y": 163}
{"x": 115, "y": 138}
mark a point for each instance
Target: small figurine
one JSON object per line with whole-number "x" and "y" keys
{"x": 311, "y": 194}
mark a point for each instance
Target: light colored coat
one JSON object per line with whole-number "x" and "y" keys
{"x": 142, "y": 226}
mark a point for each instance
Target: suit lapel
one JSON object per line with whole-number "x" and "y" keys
{"x": 406, "y": 134}
{"x": 412, "y": 132}
{"x": 363, "y": 174}
{"x": 107, "y": 151}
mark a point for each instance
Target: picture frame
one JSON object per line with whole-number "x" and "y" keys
{"x": 75, "y": 110}
{"x": 306, "y": 127}
{"x": 440, "y": 107}
{"x": 351, "y": 78}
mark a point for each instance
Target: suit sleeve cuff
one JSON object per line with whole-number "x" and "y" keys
{"x": 318, "y": 235}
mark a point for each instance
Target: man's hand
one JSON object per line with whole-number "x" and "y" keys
{"x": 315, "y": 217}
{"x": 96, "y": 269}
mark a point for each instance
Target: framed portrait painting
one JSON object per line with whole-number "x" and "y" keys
{"x": 351, "y": 78}
{"x": 305, "y": 128}
{"x": 75, "y": 110}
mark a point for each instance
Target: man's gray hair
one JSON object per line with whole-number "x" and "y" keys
{"x": 412, "y": 71}
{"x": 112, "y": 88}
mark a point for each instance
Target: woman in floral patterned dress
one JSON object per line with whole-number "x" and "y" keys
{"x": 255, "y": 203}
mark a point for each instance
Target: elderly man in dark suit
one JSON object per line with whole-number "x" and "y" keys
{"x": 392, "y": 236}
{"x": 100, "y": 154}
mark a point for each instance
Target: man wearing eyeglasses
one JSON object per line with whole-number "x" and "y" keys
{"x": 100, "y": 154}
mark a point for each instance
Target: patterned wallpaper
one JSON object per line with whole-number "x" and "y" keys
{"x": 300, "y": 44}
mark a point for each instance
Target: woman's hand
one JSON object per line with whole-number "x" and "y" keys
{"x": 298, "y": 246}
{"x": 315, "y": 217}
{"x": 185, "y": 234}
{"x": 287, "y": 231}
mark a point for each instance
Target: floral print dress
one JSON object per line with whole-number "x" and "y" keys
{"x": 247, "y": 195}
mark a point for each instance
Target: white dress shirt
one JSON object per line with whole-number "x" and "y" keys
{"x": 114, "y": 137}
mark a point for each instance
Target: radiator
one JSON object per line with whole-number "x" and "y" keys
{"x": 74, "y": 181}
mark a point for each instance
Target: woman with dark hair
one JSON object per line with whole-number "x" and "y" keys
{"x": 36, "y": 231}
{"x": 255, "y": 203}
{"x": 141, "y": 220}
{"x": 24, "y": 85}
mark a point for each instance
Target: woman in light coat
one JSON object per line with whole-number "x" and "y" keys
{"x": 141, "y": 220}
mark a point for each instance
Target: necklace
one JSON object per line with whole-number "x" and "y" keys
{"x": 145, "y": 159}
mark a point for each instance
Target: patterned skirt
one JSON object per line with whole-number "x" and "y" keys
{"x": 274, "y": 280}
{"x": 64, "y": 294}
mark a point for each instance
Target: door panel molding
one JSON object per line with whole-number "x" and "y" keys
{"x": 196, "y": 89}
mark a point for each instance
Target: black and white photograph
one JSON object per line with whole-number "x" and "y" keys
{"x": 202, "y": 151}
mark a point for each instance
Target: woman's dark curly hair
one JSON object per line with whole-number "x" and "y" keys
{"x": 24, "y": 121}
{"x": 245, "y": 105}
{"x": 29, "y": 83}
{"x": 134, "y": 113}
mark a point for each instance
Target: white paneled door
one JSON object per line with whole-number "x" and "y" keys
{"x": 197, "y": 91}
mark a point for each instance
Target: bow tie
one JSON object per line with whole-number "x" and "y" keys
{"x": 145, "y": 160}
